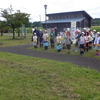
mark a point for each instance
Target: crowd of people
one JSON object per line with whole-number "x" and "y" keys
{"x": 83, "y": 40}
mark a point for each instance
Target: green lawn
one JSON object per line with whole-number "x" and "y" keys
{"x": 8, "y": 41}
{"x": 28, "y": 78}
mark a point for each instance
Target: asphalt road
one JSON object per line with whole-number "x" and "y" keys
{"x": 78, "y": 60}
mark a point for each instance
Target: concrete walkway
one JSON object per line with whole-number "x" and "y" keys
{"x": 78, "y": 60}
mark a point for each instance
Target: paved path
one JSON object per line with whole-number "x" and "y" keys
{"x": 78, "y": 60}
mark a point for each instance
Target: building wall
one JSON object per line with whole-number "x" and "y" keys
{"x": 61, "y": 26}
{"x": 67, "y": 15}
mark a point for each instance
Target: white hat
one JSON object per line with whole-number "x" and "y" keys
{"x": 34, "y": 33}
{"x": 83, "y": 33}
{"x": 94, "y": 30}
{"x": 84, "y": 28}
{"x": 79, "y": 31}
{"x": 98, "y": 33}
{"x": 45, "y": 31}
{"x": 40, "y": 30}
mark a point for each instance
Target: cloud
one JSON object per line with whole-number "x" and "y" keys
{"x": 36, "y": 7}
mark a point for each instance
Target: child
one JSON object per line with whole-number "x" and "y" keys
{"x": 87, "y": 39}
{"x": 76, "y": 42}
{"x": 82, "y": 42}
{"x": 68, "y": 42}
{"x": 63, "y": 35}
{"x": 35, "y": 40}
{"x": 45, "y": 40}
{"x": 58, "y": 42}
{"x": 97, "y": 44}
{"x": 52, "y": 37}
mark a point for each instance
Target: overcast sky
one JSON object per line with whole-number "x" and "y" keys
{"x": 37, "y": 11}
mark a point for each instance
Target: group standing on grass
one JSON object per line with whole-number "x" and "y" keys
{"x": 83, "y": 41}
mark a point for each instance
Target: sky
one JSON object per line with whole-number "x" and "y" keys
{"x": 37, "y": 12}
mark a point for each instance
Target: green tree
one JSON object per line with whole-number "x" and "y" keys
{"x": 3, "y": 27}
{"x": 36, "y": 24}
{"x": 14, "y": 20}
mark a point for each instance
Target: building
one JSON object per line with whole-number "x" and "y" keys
{"x": 63, "y": 20}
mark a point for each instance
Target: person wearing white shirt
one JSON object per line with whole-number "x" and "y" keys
{"x": 58, "y": 42}
{"x": 97, "y": 44}
{"x": 45, "y": 39}
{"x": 35, "y": 40}
{"x": 82, "y": 43}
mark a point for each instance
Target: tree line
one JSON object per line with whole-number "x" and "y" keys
{"x": 14, "y": 20}
{"x": 95, "y": 22}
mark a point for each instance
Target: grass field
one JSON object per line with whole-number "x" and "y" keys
{"x": 8, "y": 41}
{"x": 29, "y": 78}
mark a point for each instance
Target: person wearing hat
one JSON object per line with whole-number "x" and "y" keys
{"x": 63, "y": 36}
{"x": 37, "y": 34}
{"x": 58, "y": 42}
{"x": 68, "y": 42}
{"x": 90, "y": 44}
{"x": 82, "y": 43}
{"x": 52, "y": 37}
{"x": 35, "y": 40}
{"x": 45, "y": 39}
{"x": 94, "y": 36}
{"x": 97, "y": 44}
{"x": 77, "y": 36}
{"x": 87, "y": 39}
{"x": 84, "y": 30}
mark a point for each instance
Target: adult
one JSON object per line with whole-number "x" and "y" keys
{"x": 56, "y": 31}
{"x": 33, "y": 30}
{"x": 41, "y": 38}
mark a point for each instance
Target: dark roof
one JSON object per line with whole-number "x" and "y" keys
{"x": 70, "y": 12}
{"x": 64, "y": 20}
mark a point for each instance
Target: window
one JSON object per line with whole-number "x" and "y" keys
{"x": 75, "y": 15}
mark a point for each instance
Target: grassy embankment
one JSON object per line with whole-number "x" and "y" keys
{"x": 28, "y": 78}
